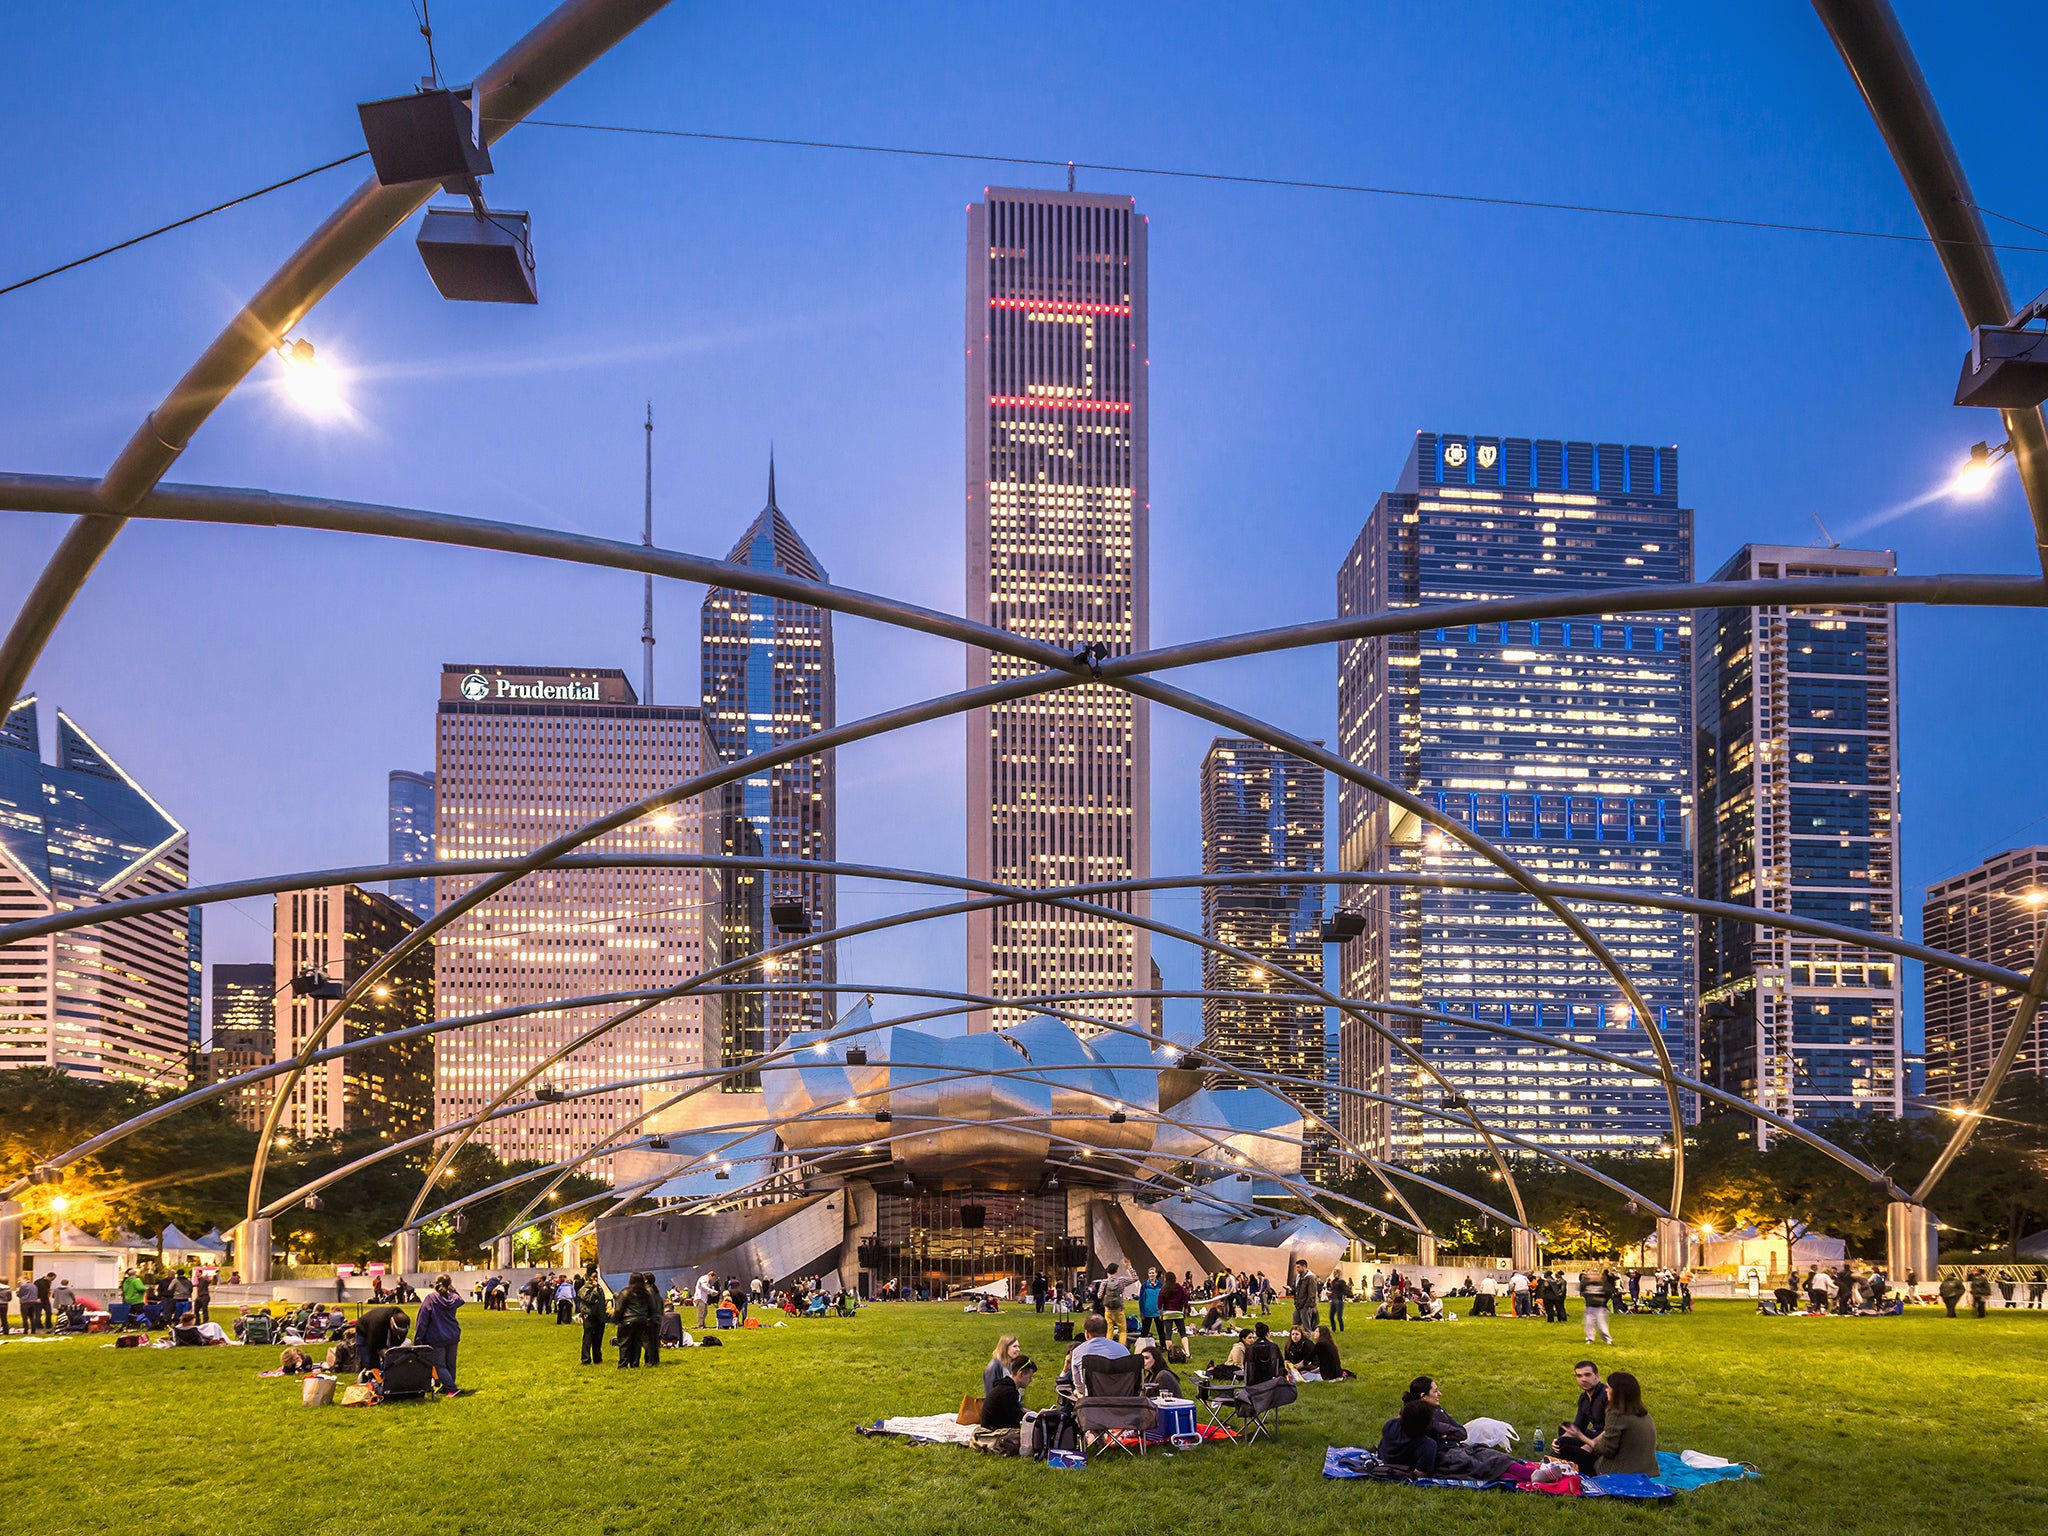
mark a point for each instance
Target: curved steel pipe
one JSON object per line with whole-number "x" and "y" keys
{"x": 565, "y": 42}
{"x": 1873, "y": 45}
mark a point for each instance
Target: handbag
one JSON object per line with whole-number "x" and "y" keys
{"x": 970, "y": 1411}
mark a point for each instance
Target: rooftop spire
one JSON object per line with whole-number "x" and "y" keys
{"x": 771, "y": 480}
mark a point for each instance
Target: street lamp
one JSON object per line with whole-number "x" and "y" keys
{"x": 1973, "y": 477}
{"x": 308, "y": 379}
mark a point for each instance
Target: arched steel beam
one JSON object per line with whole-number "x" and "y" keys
{"x": 1874, "y": 46}
{"x": 923, "y": 1127}
{"x": 1003, "y": 896}
{"x": 2008, "y": 1052}
{"x": 569, "y": 39}
{"x": 568, "y": 842}
{"x": 1548, "y": 895}
{"x": 953, "y": 1072}
{"x": 958, "y": 1003}
{"x": 247, "y": 508}
{"x": 1595, "y": 895}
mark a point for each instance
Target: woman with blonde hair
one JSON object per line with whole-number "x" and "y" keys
{"x": 1007, "y": 1353}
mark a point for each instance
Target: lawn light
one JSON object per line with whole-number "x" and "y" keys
{"x": 1973, "y": 477}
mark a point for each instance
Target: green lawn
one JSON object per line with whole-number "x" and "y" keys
{"x": 1870, "y": 1426}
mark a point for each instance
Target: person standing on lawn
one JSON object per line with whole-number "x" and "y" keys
{"x": 705, "y": 1294}
{"x": 1596, "y": 1292}
{"x": 6, "y": 1296}
{"x": 439, "y": 1329}
{"x": 1340, "y": 1292}
{"x": 1980, "y": 1290}
{"x": 1951, "y": 1291}
{"x": 1148, "y": 1306}
{"x": 595, "y": 1306}
{"x": 1115, "y": 1295}
{"x": 1307, "y": 1290}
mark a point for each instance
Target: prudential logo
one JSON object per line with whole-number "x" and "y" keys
{"x": 476, "y": 687}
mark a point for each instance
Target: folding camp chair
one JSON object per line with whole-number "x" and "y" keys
{"x": 1253, "y": 1409}
{"x": 1113, "y": 1404}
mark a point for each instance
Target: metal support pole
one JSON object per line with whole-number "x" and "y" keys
{"x": 1425, "y": 1250}
{"x": 252, "y": 1250}
{"x": 1912, "y": 1243}
{"x": 1525, "y": 1252}
{"x": 1674, "y": 1243}
{"x": 10, "y": 1240}
{"x": 405, "y": 1252}
{"x": 501, "y": 1257}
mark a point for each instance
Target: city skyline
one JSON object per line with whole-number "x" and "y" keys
{"x": 562, "y": 443}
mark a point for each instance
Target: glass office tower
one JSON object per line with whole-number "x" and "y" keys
{"x": 113, "y": 1001}
{"x": 411, "y": 838}
{"x": 1058, "y": 787}
{"x": 1799, "y": 795}
{"x": 1568, "y": 742}
{"x": 1262, "y": 811}
{"x": 1995, "y": 913}
{"x": 767, "y": 671}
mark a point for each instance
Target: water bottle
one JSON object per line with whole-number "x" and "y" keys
{"x": 1539, "y": 1445}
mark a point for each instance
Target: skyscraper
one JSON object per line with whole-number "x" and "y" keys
{"x": 1569, "y": 743}
{"x": 1799, "y": 801}
{"x": 768, "y": 679}
{"x": 1994, "y": 913}
{"x": 1262, "y": 811}
{"x": 322, "y": 942}
{"x": 241, "y": 1035}
{"x": 524, "y": 754}
{"x": 411, "y": 838}
{"x": 1058, "y": 787}
{"x": 111, "y": 1001}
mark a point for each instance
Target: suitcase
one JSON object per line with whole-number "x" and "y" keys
{"x": 407, "y": 1370}
{"x": 1063, "y": 1331}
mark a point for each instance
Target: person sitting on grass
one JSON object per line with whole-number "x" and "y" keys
{"x": 1262, "y": 1358}
{"x": 1299, "y": 1351}
{"x": 1007, "y": 1352}
{"x": 1097, "y": 1342}
{"x": 1628, "y": 1442}
{"x": 1002, "y": 1410}
{"x": 188, "y": 1330}
{"x": 1160, "y": 1380}
{"x": 1393, "y": 1310}
{"x": 1327, "y": 1363}
{"x": 1575, "y": 1440}
{"x": 1406, "y": 1441}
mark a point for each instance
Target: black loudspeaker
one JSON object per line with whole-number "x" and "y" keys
{"x": 973, "y": 1215}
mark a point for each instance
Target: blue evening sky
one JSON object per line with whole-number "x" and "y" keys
{"x": 261, "y": 683}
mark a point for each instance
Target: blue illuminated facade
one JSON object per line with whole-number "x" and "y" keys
{"x": 767, "y": 673}
{"x": 411, "y": 838}
{"x": 1566, "y": 742}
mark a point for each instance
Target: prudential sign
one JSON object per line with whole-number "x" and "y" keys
{"x": 479, "y": 689}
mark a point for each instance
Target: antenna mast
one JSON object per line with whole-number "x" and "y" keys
{"x": 647, "y": 541}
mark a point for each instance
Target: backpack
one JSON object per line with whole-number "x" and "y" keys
{"x": 257, "y": 1329}
{"x": 1063, "y": 1331}
{"x": 1177, "y": 1351}
{"x": 1052, "y": 1430}
{"x": 342, "y": 1357}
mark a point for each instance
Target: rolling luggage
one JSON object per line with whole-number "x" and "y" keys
{"x": 407, "y": 1370}
{"x": 1063, "y": 1331}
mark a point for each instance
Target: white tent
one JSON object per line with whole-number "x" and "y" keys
{"x": 1000, "y": 1289}
{"x": 1747, "y": 1248}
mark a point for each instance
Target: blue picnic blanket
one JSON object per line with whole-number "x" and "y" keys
{"x": 1673, "y": 1476}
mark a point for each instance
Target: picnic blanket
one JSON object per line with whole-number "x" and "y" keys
{"x": 1675, "y": 1473}
{"x": 929, "y": 1428}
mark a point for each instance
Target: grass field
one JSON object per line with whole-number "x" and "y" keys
{"x": 1871, "y": 1426}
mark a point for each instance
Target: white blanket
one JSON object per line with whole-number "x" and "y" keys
{"x": 943, "y": 1428}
